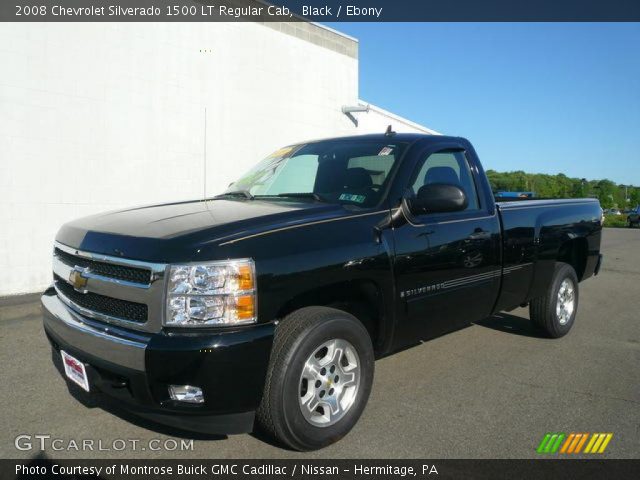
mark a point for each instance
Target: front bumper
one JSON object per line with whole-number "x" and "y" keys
{"x": 598, "y": 265}
{"x": 136, "y": 368}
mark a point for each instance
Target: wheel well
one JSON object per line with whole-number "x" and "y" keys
{"x": 360, "y": 299}
{"x": 574, "y": 252}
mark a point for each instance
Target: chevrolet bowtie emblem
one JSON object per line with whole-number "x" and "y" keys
{"x": 78, "y": 281}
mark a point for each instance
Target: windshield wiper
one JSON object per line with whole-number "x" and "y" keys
{"x": 236, "y": 193}
{"x": 312, "y": 195}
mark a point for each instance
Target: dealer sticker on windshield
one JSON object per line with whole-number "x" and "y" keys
{"x": 281, "y": 152}
{"x": 348, "y": 197}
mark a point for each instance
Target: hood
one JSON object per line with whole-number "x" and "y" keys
{"x": 176, "y": 232}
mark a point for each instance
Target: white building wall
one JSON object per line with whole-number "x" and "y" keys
{"x": 100, "y": 116}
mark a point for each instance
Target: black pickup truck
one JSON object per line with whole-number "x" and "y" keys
{"x": 266, "y": 305}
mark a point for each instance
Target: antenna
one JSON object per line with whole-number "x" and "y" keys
{"x": 204, "y": 158}
{"x": 389, "y": 131}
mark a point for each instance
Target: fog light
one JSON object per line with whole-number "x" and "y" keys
{"x": 186, "y": 393}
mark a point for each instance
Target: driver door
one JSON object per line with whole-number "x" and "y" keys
{"x": 447, "y": 265}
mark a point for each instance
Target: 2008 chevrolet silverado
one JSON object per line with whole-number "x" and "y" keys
{"x": 268, "y": 304}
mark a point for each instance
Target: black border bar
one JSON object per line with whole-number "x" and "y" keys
{"x": 41, "y": 468}
{"x": 320, "y": 10}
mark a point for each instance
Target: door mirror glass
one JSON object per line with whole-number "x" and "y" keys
{"x": 438, "y": 198}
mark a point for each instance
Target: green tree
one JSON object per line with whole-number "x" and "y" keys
{"x": 543, "y": 185}
{"x": 634, "y": 196}
{"x": 606, "y": 193}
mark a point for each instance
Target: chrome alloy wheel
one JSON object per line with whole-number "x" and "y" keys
{"x": 566, "y": 301}
{"x": 329, "y": 383}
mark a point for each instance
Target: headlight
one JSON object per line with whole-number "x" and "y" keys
{"x": 215, "y": 293}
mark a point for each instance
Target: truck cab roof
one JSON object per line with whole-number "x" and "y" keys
{"x": 401, "y": 137}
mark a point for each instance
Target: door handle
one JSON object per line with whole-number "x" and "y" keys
{"x": 479, "y": 234}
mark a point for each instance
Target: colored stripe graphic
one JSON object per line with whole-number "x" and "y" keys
{"x": 573, "y": 443}
{"x": 556, "y": 445}
{"x": 550, "y": 443}
{"x": 565, "y": 447}
{"x": 598, "y": 443}
{"x": 581, "y": 443}
{"x": 543, "y": 443}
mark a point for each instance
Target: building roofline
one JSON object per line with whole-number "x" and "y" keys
{"x": 398, "y": 118}
{"x": 317, "y": 34}
{"x": 337, "y": 32}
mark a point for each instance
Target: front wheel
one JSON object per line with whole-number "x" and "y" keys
{"x": 556, "y": 311}
{"x": 319, "y": 378}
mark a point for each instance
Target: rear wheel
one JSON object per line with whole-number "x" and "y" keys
{"x": 319, "y": 378}
{"x": 556, "y": 311}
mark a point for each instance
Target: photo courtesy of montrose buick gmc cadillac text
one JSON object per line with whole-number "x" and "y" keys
{"x": 265, "y": 307}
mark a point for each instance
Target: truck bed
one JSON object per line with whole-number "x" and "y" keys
{"x": 534, "y": 231}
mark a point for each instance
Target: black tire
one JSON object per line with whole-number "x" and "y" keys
{"x": 297, "y": 337}
{"x": 629, "y": 223}
{"x": 542, "y": 310}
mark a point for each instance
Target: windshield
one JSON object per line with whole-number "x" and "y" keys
{"x": 353, "y": 172}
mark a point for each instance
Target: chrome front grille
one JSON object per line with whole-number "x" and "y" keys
{"x": 110, "y": 289}
{"x": 112, "y": 307}
{"x": 109, "y": 270}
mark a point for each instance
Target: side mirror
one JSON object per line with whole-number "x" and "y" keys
{"x": 438, "y": 198}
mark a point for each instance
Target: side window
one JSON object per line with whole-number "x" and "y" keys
{"x": 448, "y": 167}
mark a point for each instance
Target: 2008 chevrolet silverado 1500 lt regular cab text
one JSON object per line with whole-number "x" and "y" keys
{"x": 268, "y": 304}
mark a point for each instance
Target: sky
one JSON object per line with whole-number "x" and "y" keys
{"x": 539, "y": 97}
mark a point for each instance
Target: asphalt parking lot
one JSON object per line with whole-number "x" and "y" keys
{"x": 489, "y": 391}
